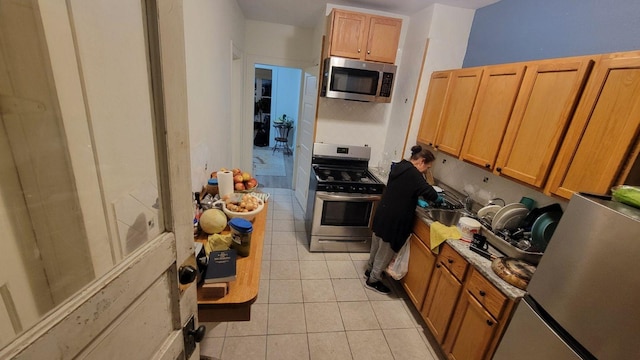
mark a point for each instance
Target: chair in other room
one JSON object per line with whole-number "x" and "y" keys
{"x": 282, "y": 139}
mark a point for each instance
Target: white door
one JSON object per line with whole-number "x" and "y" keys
{"x": 94, "y": 205}
{"x": 306, "y": 134}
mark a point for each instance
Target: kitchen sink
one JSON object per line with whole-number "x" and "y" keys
{"x": 447, "y": 217}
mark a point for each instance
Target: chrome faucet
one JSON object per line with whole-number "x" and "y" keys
{"x": 452, "y": 200}
{"x": 468, "y": 202}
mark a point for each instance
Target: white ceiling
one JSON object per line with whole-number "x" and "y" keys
{"x": 305, "y": 13}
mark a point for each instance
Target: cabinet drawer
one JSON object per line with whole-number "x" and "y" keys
{"x": 422, "y": 231}
{"x": 490, "y": 297}
{"x": 453, "y": 261}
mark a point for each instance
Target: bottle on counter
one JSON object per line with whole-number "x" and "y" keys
{"x": 212, "y": 187}
{"x": 241, "y": 230}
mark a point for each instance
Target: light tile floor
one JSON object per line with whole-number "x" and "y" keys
{"x": 315, "y": 305}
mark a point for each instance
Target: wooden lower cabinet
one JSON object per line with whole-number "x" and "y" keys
{"x": 443, "y": 292}
{"x": 421, "y": 262}
{"x": 478, "y": 321}
{"x": 440, "y": 302}
{"x": 463, "y": 310}
{"x": 472, "y": 330}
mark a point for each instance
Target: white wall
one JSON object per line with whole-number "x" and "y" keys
{"x": 278, "y": 45}
{"x": 212, "y": 28}
{"x": 483, "y": 185}
{"x": 285, "y": 93}
{"x": 447, "y": 30}
{"x": 214, "y": 31}
{"x": 286, "y": 98}
{"x": 407, "y": 80}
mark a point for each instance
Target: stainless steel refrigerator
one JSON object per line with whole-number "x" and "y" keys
{"x": 583, "y": 301}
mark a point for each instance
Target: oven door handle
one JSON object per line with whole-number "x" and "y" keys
{"x": 350, "y": 197}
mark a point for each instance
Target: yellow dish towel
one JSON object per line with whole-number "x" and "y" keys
{"x": 440, "y": 232}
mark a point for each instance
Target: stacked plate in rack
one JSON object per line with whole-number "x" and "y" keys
{"x": 509, "y": 216}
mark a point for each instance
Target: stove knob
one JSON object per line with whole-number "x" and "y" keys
{"x": 353, "y": 188}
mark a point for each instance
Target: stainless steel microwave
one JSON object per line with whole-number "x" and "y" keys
{"x": 357, "y": 80}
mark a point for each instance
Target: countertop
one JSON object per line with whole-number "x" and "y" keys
{"x": 377, "y": 173}
{"x": 236, "y": 305}
{"x": 484, "y": 267}
{"x": 481, "y": 264}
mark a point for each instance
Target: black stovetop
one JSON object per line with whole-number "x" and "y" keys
{"x": 351, "y": 180}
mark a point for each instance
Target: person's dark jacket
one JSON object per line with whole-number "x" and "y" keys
{"x": 394, "y": 217}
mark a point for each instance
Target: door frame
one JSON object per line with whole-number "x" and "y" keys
{"x": 246, "y": 140}
{"x": 94, "y": 318}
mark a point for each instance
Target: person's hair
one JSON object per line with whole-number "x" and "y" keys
{"x": 417, "y": 152}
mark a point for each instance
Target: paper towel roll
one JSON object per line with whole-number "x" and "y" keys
{"x": 225, "y": 183}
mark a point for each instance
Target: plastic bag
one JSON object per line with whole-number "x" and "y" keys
{"x": 627, "y": 194}
{"x": 399, "y": 265}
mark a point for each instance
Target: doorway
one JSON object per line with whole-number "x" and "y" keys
{"x": 275, "y": 120}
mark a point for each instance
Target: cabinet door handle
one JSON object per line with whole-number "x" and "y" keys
{"x": 450, "y": 261}
{"x": 482, "y": 293}
{"x": 368, "y": 51}
{"x": 499, "y": 169}
{"x": 430, "y": 144}
{"x": 489, "y": 322}
{"x": 358, "y": 51}
{"x": 438, "y": 265}
{"x": 487, "y": 165}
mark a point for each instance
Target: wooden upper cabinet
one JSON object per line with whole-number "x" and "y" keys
{"x": 545, "y": 104}
{"x": 432, "y": 112}
{"x": 363, "y": 36}
{"x": 457, "y": 110}
{"x": 602, "y": 141}
{"x": 383, "y": 40}
{"x": 347, "y": 34}
{"x": 493, "y": 107}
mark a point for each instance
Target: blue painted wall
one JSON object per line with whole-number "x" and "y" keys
{"x": 519, "y": 30}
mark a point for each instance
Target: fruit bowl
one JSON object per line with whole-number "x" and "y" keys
{"x": 244, "y": 206}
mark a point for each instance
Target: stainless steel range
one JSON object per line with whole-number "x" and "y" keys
{"x": 343, "y": 196}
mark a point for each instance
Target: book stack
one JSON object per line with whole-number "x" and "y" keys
{"x": 220, "y": 271}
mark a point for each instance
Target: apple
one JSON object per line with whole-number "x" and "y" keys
{"x": 236, "y": 171}
{"x": 246, "y": 176}
{"x": 214, "y": 175}
{"x": 251, "y": 183}
{"x": 238, "y": 179}
{"x": 239, "y": 186}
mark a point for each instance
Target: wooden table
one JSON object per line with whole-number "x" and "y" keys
{"x": 236, "y": 305}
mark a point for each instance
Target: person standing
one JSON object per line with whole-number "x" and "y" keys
{"x": 393, "y": 220}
